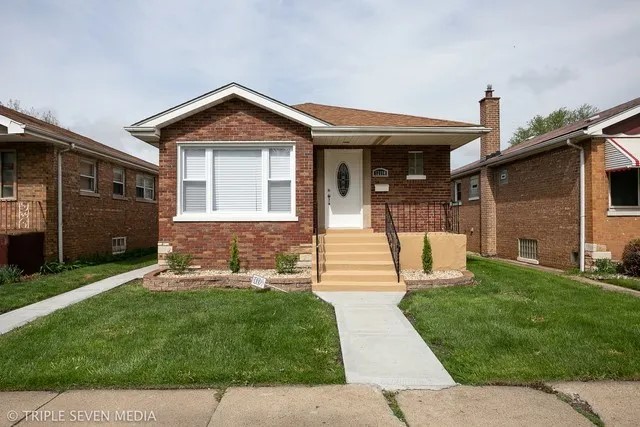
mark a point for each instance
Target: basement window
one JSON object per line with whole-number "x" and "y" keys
{"x": 118, "y": 245}
{"x": 528, "y": 251}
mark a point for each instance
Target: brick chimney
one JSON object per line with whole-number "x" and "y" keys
{"x": 489, "y": 144}
{"x": 490, "y": 117}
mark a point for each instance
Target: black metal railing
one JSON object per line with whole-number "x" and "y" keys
{"x": 392, "y": 239}
{"x": 21, "y": 216}
{"x": 414, "y": 217}
{"x": 317, "y": 248}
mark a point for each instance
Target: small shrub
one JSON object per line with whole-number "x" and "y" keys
{"x": 286, "y": 263}
{"x": 178, "y": 263}
{"x": 631, "y": 258}
{"x": 606, "y": 266}
{"x": 55, "y": 267}
{"x": 427, "y": 258}
{"x": 234, "y": 259}
{"x": 10, "y": 274}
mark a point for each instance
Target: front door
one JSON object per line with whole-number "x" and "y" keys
{"x": 343, "y": 188}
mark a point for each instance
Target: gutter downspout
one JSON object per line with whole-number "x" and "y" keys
{"x": 582, "y": 202}
{"x": 59, "y": 188}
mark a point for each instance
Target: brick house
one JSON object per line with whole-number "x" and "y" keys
{"x": 234, "y": 162}
{"x": 561, "y": 199}
{"x": 107, "y": 202}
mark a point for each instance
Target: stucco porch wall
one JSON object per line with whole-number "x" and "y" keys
{"x": 449, "y": 250}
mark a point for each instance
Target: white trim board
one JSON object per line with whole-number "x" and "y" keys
{"x": 148, "y": 129}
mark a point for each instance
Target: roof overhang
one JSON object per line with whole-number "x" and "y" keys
{"x": 454, "y": 137}
{"x": 20, "y": 132}
{"x": 148, "y": 130}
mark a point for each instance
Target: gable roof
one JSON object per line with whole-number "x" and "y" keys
{"x": 582, "y": 128}
{"x": 343, "y": 116}
{"x": 148, "y": 129}
{"x": 41, "y": 128}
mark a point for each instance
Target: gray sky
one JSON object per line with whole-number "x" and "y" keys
{"x": 101, "y": 65}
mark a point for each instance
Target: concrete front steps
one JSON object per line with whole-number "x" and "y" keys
{"x": 357, "y": 260}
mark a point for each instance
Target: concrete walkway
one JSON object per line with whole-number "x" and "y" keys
{"x": 380, "y": 346}
{"x": 336, "y": 405}
{"x": 29, "y": 313}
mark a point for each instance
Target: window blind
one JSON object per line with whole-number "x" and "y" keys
{"x": 237, "y": 180}
{"x": 279, "y": 180}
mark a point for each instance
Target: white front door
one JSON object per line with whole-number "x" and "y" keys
{"x": 343, "y": 188}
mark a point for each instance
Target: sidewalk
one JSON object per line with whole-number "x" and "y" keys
{"x": 339, "y": 405}
{"x": 24, "y": 315}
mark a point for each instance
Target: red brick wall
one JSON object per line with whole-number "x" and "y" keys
{"x": 611, "y": 231}
{"x": 541, "y": 202}
{"x": 469, "y": 215}
{"x": 258, "y": 242}
{"x": 434, "y": 189}
{"x": 90, "y": 222}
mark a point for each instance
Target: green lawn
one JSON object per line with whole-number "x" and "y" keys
{"x": 16, "y": 295}
{"x": 624, "y": 282}
{"x": 131, "y": 337}
{"x": 519, "y": 325}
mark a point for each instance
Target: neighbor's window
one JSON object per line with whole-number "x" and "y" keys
{"x": 88, "y": 175}
{"x": 527, "y": 250}
{"x": 456, "y": 195}
{"x": 474, "y": 187}
{"x": 8, "y": 174}
{"x": 244, "y": 181}
{"x": 416, "y": 165}
{"x": 118, "y": 181}
{"x": 145, "y": 187}
{"x": 624, "y": 187}
{"x": 118, "y": 245}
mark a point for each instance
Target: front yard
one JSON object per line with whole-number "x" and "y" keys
{"x": 16, "y": 295}
{"x": 520, "y": 326}
{"x": 131, "y": 337}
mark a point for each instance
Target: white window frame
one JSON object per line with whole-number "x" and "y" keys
{"x": 410, "y": 159}
{"x": 14, "y": 182}
{"x": 212, "y": 216}
{"x": 477, "y": 179}
{"x": 94, "y": 177}
{"x": 124, "y": 179}
{"x": 623, "y": 210}
{"x": 144, "y": 193}
{"x": 118, "y": 249}
{"x": 456, "y": 201}
{"x": 532, "y": 243}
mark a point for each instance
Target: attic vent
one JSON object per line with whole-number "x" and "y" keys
{"x": 592, "y": 118}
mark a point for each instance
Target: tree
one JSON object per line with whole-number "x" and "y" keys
{"x": 539, "y": 125}
{"x": 44, "y": 115}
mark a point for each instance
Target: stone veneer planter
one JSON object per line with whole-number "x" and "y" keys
{"x": 467, "y": 279}
{"x": 154, "y": 282}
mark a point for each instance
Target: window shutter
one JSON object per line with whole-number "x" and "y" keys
{"x": 237, "y": 180}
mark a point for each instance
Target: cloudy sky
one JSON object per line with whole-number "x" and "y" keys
{"x": 101, "y": 65}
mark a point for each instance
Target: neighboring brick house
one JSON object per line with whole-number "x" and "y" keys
{"x": 107, "y": 203}
{"x": 525, "y": 202}
{"x": 234, "y": 162}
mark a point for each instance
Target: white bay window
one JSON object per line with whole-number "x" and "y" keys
{"x": 232, "y": 183}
